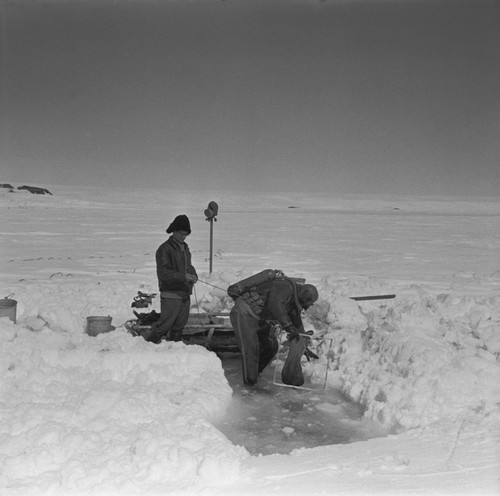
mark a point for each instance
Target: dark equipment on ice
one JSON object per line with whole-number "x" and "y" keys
{"x": 143, "y": 300}
{"x": 147, "y": 319}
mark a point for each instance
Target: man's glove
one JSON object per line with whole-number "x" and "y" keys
{"x": 310, "y": 354}
{"x": 293, "y": 332}
{"x": 191, "y": 278}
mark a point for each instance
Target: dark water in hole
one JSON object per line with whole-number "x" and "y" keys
{"x": 269, "y": 418}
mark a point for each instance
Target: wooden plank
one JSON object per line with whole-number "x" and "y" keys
{"x": 208, "y": 326}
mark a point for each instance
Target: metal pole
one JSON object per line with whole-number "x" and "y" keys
{"x": 211, "y": 214}
{"x": 211, "y": 243}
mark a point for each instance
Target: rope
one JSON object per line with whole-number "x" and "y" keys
{"x": 196, "y": 299}
{"x": 213, "y": 285}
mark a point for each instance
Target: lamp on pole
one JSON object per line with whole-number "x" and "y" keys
{"x": 211, "y": 215}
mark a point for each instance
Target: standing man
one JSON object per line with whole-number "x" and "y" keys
{"x": 280, "y": 300}
{"x": 176, "y": 278}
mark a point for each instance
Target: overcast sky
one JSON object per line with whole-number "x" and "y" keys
{"x": 351, "y": 96}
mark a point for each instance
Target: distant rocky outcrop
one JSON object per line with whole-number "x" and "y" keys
{"x": 35, "y": 190}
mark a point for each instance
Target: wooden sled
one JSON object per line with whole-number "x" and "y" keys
{"x": 213, "y": 331}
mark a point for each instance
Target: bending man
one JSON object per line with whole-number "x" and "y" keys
{"x": 280, "y": 300}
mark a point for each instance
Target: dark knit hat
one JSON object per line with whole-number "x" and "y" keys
{"x": 308, "y": 294}
{"x": 180, "y": 223}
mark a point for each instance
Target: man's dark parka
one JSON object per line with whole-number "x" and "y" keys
{"x": 280, "y": 303}
{"x": 173, "y": 262}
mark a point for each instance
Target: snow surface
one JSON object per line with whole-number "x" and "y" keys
{"x": 115, "y": 415}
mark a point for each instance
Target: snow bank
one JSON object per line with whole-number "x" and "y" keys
{"x": 83, "y": 413}
{"x": 416, "y": 360}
